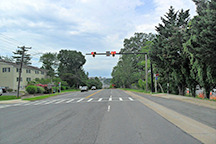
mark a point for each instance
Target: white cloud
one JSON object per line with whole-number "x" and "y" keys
{"x": 82, "y": 25}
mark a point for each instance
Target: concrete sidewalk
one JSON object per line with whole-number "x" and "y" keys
{"x": 200, "y": 102}
{"x": 13, "y": 101}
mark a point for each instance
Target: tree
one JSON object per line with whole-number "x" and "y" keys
{"x": 202, "y": 45}
{"x": 71, "y": 63}
{"x": 26, "y": 59}
{"x": 50, "y": 63}
{"x": 7, "y": 58}
{"x": 167, "y": 49}
{"x": 129, "y": 69}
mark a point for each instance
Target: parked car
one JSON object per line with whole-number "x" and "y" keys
{"x": 93, "y": 88}
{"x": 1, "y": 91}
{"x": 84, "y": 88}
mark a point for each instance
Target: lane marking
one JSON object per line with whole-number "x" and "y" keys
{"x": 80, "y": 100}
{"x": 108, "y": 109}
{"x": 50, "y": 102}
{"x": 100, "y": 99}
{"x": 130, "y": 99}
{"x": 59, "y": 101}
{"x": 110, "y": 99}
{"x": 69, "y": 101}
{"x": 41, "y": 102}
{"x": 120, "y": 99}
{"x": 202, "y": 132}
{"x": 4, "y": 106}
{"x": 93, "y": 94}
{"x": 90, "y": 100}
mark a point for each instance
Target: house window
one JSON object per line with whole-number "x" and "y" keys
{"x": 36, "y": 72}
{"x": 18, "y": 79}
{"x": 42, "y": 73}
{"x": 17, "y": 70}
{"x": 5, "y": 70}
{"x": 28, "y": 79}
{"x": 28, "y": 71}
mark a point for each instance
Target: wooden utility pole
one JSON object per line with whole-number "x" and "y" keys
{"x": 23, "y": 48}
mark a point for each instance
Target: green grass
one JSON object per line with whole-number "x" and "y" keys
{"x": 49, "y": 95}
{"x": 135, "y": 90}
{"x": 2, "y": 98}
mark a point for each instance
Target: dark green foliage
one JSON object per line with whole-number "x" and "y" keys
{"x": 201, "y": 45}
{"x": 31, "y": 89}
{"x": 40, "y": 89}
{"x": 130, "y": 68}
{"x": 167, "y": 53}
{"x": 50, "y": 63}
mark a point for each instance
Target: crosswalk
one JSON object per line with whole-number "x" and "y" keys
{"x": 70, "y": 101}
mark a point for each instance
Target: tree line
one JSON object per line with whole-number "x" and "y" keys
{"x": 182, "y": 52}
{"x": 66, "y": 67}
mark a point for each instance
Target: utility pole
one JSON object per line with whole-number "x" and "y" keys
{"x": 146, "y": 73}
{"x": 23, "y": 48}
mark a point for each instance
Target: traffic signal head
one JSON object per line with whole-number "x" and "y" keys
{"x": 93, "y": 54}
{"x": 113, "y": 53}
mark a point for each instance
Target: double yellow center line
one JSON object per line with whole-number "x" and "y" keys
{"x": 93, "y": 94}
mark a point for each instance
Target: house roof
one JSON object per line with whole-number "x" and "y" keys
{"x": 23, "y": 66}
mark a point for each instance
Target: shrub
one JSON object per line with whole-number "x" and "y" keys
{"x": 31, "y": 89}
{"x": 9, "y": 90}
{"x": 40, "y": 89}
{"x": 63, "y": 88}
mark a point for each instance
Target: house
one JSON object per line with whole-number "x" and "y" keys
{"x": 9, "y": 75}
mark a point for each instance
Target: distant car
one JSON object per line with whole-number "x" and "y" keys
{"x": 84, "y": 88}
{"x": 93, "y": 88}
{"x": 1, "y": 91}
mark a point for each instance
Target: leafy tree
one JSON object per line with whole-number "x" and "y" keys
{"x": 202, "y": 45}
{"x": 70, "y": 66}
{"x": 50, "y": 63}
{"x": 130, "y": 68}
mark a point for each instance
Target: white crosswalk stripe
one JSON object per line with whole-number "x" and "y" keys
{"x": 90, "y": 99}
{"x": 80, "y": 100}
{"x": 67, "y": 101}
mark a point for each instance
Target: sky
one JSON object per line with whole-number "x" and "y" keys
{"x": 82, "y": 25}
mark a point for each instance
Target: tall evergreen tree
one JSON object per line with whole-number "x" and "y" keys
{"x": 202, "y": 44}
{"x": 167, "y": 50}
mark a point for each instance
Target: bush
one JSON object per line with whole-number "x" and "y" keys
{"x": 40, "y": 89}
{"x": 63, "y": 88}
{"x": 31, "y": 89}
{"x": 9, "y": 90}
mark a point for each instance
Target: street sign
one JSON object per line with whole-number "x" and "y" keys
{"x": 156, "y": 78}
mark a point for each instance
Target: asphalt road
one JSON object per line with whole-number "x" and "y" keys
{"x": 94, "y": 117}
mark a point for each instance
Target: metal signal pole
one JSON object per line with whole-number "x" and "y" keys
{"x": 113, "y": 53}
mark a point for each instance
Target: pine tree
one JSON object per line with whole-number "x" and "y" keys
{"x": 167, "y": 50}
{"x": 202, "y": 44}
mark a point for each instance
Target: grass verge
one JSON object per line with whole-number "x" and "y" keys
{"x": 49, "y": 95}
{"x": 2, "y": 98}
{"x": 135, "y": 90}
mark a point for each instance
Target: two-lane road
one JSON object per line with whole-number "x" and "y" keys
{"x": 96, "y": 117}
